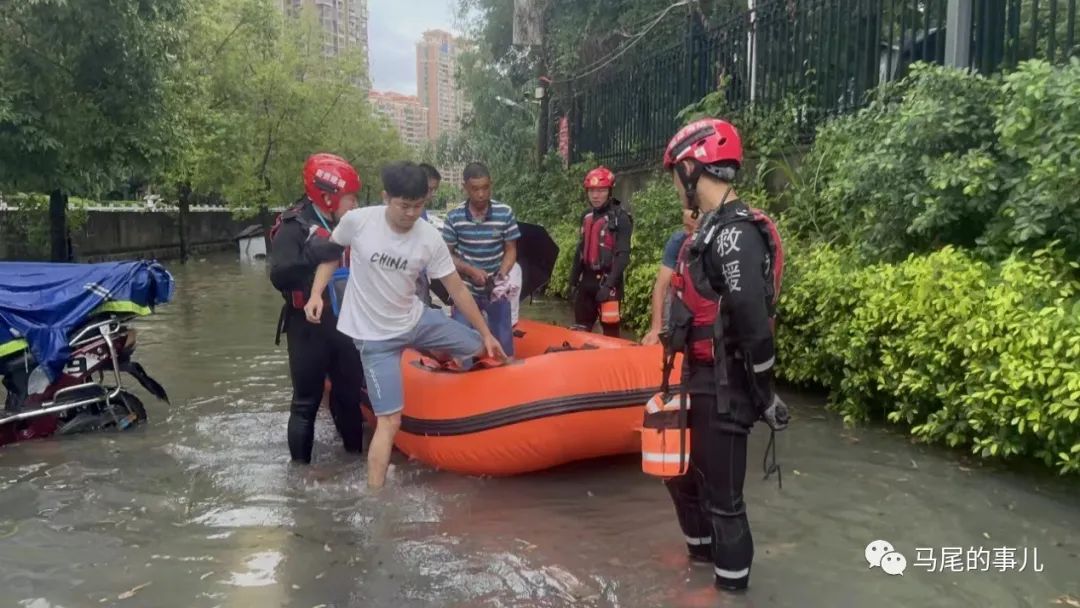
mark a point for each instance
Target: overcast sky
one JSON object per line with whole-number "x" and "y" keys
{"x": 394, "y": 28}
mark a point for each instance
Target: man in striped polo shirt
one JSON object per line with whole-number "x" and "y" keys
{"x": 482, "y": 236}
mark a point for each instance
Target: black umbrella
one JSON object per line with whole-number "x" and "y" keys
{"x": 536, "y": 254}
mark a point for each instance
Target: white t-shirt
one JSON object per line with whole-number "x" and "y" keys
{"x": 380, "y": 296}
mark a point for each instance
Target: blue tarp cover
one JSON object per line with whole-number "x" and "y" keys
{"x": 42, "y": 302}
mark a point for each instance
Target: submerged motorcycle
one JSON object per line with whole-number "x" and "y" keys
{"x": 78, "y": 319}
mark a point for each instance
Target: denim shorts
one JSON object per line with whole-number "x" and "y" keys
{"x": 382, "y": 358}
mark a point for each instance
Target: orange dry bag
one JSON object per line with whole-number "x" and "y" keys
{"x": 665, "y": 438}
{"x": 609, "y": 312}
{"x": 665, "y": 442}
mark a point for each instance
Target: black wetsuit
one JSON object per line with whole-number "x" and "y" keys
{"x": 709, "y": 498}
{"x": 316, "y": 351}
{"x": 592, "y": 286}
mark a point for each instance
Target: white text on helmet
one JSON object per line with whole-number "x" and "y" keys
{"x": 330, "y": 177}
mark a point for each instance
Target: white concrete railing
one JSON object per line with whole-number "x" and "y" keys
{"x": 437, "y": 216}
{"x": 145, "y": 208}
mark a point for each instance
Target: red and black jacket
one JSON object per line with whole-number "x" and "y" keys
{"x": 604, "y": 246}
{"x": 728, "y": 278}
{"x": 299, "y": 242}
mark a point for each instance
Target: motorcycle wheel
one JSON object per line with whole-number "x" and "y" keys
{"x": 129, "y": 410}
{"x": 134, "y": 407}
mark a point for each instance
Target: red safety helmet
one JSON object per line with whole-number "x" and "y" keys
{"x": 708, "y": 141}
{"x": 329, "y": 174}
{"x": 711, "y": 144}
{"x": 600, "y": 177}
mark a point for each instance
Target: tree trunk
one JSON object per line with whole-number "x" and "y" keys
{"x": 264, "y": 205}
{"x": 264, "y": 221}
{"x": 542, "y": 80}
{"x": 58, "y": 242}
{"x": 185, "y": 208}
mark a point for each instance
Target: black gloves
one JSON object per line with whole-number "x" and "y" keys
{"x": 776, "y": 415}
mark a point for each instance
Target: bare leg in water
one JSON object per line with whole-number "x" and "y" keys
{"x": 382, "y": 444}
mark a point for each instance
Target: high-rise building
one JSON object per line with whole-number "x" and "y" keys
{"x": 344, "y": 22}
{"x": 406, "y": 113}
{"x": 436, "y": 61}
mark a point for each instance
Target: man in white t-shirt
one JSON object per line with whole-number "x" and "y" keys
{"x": 381, "y": 311}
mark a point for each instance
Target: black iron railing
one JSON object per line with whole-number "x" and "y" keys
{"x": 1006, "y": 32}
{"x": 821, "y": 55}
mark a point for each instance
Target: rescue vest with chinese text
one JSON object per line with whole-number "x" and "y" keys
{"x": 691, "y": 285}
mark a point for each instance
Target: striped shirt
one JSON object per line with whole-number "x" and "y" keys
{"x": 481, "y": 242}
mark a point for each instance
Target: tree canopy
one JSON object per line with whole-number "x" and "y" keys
{"x": 583, "y": 41}
{"x": 83, "y": 104}
{"x": 258, "y": 96}
{"x": 225, "y": 97}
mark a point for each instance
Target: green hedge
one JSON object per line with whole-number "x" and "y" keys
{"x": 964, "y": 352}
{"x": 961, "y": 351}
{"x": 928, "y": 245}
{"x": 946, "y": 157}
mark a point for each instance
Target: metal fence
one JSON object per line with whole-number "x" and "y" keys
{"x": 823, "y": 55}
{"x": 1006, "y": 32}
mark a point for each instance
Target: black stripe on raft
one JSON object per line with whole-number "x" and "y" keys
{"x": 529, "y": 411}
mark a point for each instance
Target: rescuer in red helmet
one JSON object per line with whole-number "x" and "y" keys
{"x": 299, "y": 242}
{"x": 601, "y": 257}
{"x": 725, "y": 285}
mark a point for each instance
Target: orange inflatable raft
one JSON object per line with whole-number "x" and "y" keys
{"x": 568, "y": 396}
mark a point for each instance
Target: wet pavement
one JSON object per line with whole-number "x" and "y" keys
{"x": 201, "y": 507}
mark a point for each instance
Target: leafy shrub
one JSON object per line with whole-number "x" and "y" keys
{"x": 547, "y": 198}
{"x": 1038, "y": 129}
{"x": 657, "y": 213}
{"x": 565, "y": 235}
{"x": 894, "y": 174}
{"x": 963, "y": 352}
{"x": 636, "y": 305}
{"x": 946, "y": 157}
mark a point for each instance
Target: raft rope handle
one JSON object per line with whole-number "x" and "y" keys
{"x": 684, "y": 398}
{"x": 684, "y": 402}
{"x": 669, "y": 365}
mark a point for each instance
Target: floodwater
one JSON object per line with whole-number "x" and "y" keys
{"x": 201, "y": 507}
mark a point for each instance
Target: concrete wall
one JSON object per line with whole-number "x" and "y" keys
{"x": 116, "y": 235}
{"x": 627, "y": 183}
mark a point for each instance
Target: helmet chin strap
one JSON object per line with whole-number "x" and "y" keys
{"x": 690, "y": 179}
{"x": 689, "y": 182}
{"x": 727, "y": 193}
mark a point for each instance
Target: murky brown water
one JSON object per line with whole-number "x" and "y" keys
{"x": 201, "y": 507}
